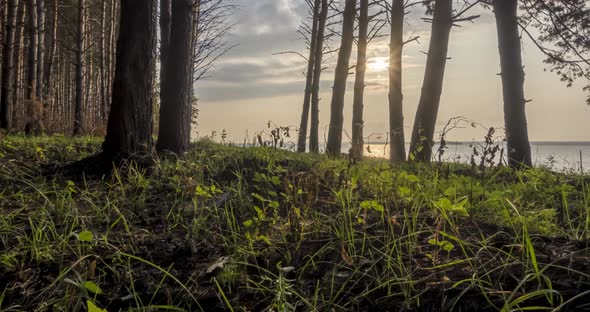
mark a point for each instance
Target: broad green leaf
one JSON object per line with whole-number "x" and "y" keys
{"x": 451, "y": 192}
{"x": 92, "y": 287}
{"x": 404, "y": 190}
{"x": 447, "y": 246}
{"x": 85, "y": 236}
{"x": 93, "y": 308}
{"x": 377, "y": 206}
{"x": 259, "y": 211}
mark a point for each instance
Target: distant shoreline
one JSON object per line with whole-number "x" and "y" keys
{"x": 554, "y": 143}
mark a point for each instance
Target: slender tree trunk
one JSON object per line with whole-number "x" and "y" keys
{"x": 314, "y": 145}
{"x": 4, "y": 21}
{"x": 113, "y": 33}
{"x": 103, "y": 63}
{"x": 49, "y": 70}
{"x": 31, "y": 80}
{"x": 195, "y": 32}
{"x": 358, "y": 141}
{"x": 334, "y": 144}
{"x": 519, "y": 148}
{"x": 78, "y": 118}
{"x": 18, "y": 61}
{"x": 40, "y": 49}
{"x": 165, "y": 20}
{"x": 175, "y": 109}
{"x": 110, "y": 62}
{"x": 302, "y": 140}
{"x": 396, "y": 96}
{"x": 129, "y": 130}
{"x": 7, "y": 66}
{"x": 426, "y": 115}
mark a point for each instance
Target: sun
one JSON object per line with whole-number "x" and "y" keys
{"x": 378, "y": 64}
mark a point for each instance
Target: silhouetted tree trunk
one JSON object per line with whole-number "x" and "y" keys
{"x": 519, "y": 149}
{"x": 7, "y": 65}
{"x": 129, "y": 130}
{"x": 314, "y": 145}
{"x": 334, "y": 144}
{"x": 359, "y": 83}
{"x": 40, "y": 49}
{"x": 302, "y": 140}
{"x": 175, "y": 108}
{"x": 397, "y": 148}
{"x": 31, "y": 79}
{"x": 79, "y": 69}
{"x": 426, "y": 115}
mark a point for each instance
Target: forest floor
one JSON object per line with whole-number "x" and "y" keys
{"x": 225, "y": 228}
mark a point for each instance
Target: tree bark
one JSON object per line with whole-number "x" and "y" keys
{"x": 79, "y": 69}
{"x": 49, "y": 70}
{"x": 302, "y": 140}
{"x": 358, "y": 141}
{"x": 519, "y": 148}
{"x": 426, "y": 115}
{"x": 165, "y": 20}
{"x": 7, "y": 66}
{"x": 111, "y": 61}
{"x": 40, "y": 49}
{"x": 31, "y": 79}
{"x": 397, "y": 149}
{"x": 334, "y": 144}
{"x": 175, "y": 109}
{"x": 314, "y": 145}
{"x": 129, "y": 130}
{"x": 103, "y": 64}
{"x": 18, "y": 61}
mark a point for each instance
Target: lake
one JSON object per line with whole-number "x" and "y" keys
{"x": 557, "y": 155}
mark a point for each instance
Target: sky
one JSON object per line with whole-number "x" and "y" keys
{"x": 253, "y": 85}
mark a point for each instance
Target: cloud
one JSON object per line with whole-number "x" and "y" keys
{"x": 266, "y": 27}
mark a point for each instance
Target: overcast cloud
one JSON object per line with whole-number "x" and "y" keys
{"x": 252, "y": 85}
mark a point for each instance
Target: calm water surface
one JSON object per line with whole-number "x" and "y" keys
{"x": 557, "y": 155}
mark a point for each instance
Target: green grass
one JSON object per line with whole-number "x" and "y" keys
{"x": 225, "y": 228}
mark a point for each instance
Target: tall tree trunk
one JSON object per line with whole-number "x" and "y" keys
{"x": 31, "y": 79}
{"x": 102, "y": 69}
{"x": 426, "y": 115}
{"x": 195, "y": 33}
{"x": 314, "y": 145}
{"x": 18, "y": 61}
{"x": 113, "y": 32}
{"x": 302, "y": 140}
{"x": 110, "y": 52}
{"x": 129, "y": 130}
{"x": 175, "y": 109}
{"x": 397, "y": 149}
{"x": 358, "y": 141}
{"x": 334, "y": 144}
{"x": 79, "y": 69}
{"x": 4, "y": 21}
{"x": 40, "y": 49}
{"x": 49, "y": 70}
{"x": 7, "y": 65}
{"x": 165, "y": 20}
{"x": 519, "y": 148}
